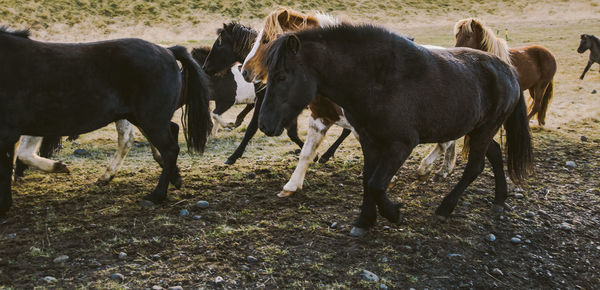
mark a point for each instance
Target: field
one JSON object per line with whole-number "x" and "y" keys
{"x": 303, "y": 241}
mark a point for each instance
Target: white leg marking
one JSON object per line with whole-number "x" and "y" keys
{"x": 427, "y": 162}
{"x": 125, "y": 140}
{"x": 449, "y": 158}
{"x": 316, "y": 131}
{"x": 28, "y": 154}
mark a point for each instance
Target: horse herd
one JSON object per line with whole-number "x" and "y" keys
{"x": 390, "y": 92}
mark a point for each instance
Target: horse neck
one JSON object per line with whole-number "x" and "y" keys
{"x": 595, "y": 47}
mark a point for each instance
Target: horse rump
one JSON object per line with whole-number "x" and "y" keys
{"x": 196, "y": 93}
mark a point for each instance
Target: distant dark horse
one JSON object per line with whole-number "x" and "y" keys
{"x": 535, "y": 64}
{"x": 592, "y": 43}
{"x": 397, "y": 94}
{"x": 67, "y": 89}
{"x": 232, "y": 45}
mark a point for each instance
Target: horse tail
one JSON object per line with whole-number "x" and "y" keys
{"x": 518, "y": 143}
{"x": 466, "y": 147}
{"x": 50, "y": 144}
{"x": 195, "y": 93}
{"x": 541, "y": 115}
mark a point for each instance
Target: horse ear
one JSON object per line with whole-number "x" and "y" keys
{"x": 293, "y": 43}
{"x": 283, "y": 16}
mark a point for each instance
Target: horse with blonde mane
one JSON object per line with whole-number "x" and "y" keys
{"x": 535, "y": 64}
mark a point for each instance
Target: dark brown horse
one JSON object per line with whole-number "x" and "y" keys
{"x": 397, "y": 94}
{"x": 592, "y": 43}
{"x": 535, "y": 64}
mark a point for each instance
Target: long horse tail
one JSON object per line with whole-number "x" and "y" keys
{"x": 50, "y": 144}
{"x": 195, "y": 92}
{"x": 518, "y": 143}
{"x": 541, "y": 115}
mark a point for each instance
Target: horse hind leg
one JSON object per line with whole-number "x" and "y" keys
{"x": 494, "y": 155}
{"x": 125, "y": 140}
{"x": 27, "y": 153}
{"x": 7, "y": 153}
{"x": 449, "y": 159}
{"x": 537, "y": 94}
{"x": 426, "y": 165}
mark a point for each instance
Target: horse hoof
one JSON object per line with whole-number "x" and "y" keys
{"x": 60, "y": 167}
{"x": 358, "y": 232}
{"x": 146, "y": 203}
{"x": 285, "y": 193}
{"x": 441, "y": 218}
{"x": 498, "y": 208}
{"x": 230, "y": 161}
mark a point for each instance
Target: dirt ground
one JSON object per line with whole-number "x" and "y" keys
{"x": 303, "y": 241}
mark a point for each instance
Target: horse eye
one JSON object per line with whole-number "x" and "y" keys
{"x": 265, "y": 41}
{"x": 280, "y": 78}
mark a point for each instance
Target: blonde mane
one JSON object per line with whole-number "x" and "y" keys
{"x": 489, "y": 41}
{"x": 294, "y": 21}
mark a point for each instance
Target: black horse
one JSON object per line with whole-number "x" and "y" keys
{"x": 592, "y": 43}
{"x": 406, "y": 95}
{"x": 232, "y": 45}
{"x": 68, "y": 89}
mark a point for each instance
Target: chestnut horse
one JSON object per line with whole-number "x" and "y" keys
{"x": 397, "y": 94}
{"x": 324, "y": 113}
{"x": 535, "y": 64}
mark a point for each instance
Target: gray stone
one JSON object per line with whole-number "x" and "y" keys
{"x": 175, "y": 288}
{"x": 156, "y": 256}
{"x": 50, "y": 279}
{"x": 117, "y": 277}
{"x": 369, "y": 276}
{"x": 81, "y": 153}
{"x": 334, "y": 225}
{"x": 497, "y": 272}
{"x": 245, "y": 268}
{"x": 184, "y": 212}
{"x": 251, "y": 259}
{"x": 519, "y": 195}
{"x": 197, "y": 217}
{"x": 11, "y": 236}
{"x": 454, "y": 255}
{"x": 383, "y": 286}
{"x": 530, "y": 214}
{"x": 490, "y": 237}
{"x": 61, "y": 259}
{"x": 571, "y": 164}
{"x": 157, "y": 287}
{"x": 565, "y": 226}
{"x": 122, "y": 255}
{"x": 202, "y": 204}
{"x": 515, "y": 240}
{"x": 219, "y": 280}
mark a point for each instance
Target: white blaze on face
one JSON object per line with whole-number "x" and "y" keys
{"x": 244, "y": 94}
{"x": 254, "y": 48}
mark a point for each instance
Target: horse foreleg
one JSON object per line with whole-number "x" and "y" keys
{"x": 27, "y": 153}
{"x": 125, "y": 140}
{"x": 331, "y": 151}
{"x": 240, "y": 117}
{"x": 381, "y": 164}
{"x": 317, "y": 128}
{"x": 250, "y": 131}
{"x": 585, "y": 70}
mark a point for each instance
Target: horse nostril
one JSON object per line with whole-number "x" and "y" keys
{"x": 245, "y": 73}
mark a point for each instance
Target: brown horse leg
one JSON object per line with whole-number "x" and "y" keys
{"x": 537, "y": 93}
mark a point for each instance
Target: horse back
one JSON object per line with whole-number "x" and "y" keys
{"x": 534, "y": 64}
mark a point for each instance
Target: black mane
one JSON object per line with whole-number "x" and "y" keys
{"x": 24, "y": 33}
{"x": 243, "y": 36}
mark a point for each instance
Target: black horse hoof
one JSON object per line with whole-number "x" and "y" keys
{"x": 442, "y": 213}
{"x": 497, "y": 208}
{"x": 60, "y": 167}
{"x": 230, "y": 161}
{"x": 392, "y": 212}
{"x": 177, "y": 182}
{"x": 358, "y": 232}
{"x": 324, "y": 159}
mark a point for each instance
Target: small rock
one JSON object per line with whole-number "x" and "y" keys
{"x": 157, "y": 287}
{"x": 530, "y": 214}
{"x": 122, "y": 255}
{"x": 570, "y": 164}
{"x": 49, "y": 279}
{"x": 94, "y": 263}
{"x": 251, "y": 175}
{"x": 251, "y": 259}
{"x": 497, "y": 272}
{"x": 386, "y": 228}
{"x": 454, "y": 255}
{"x": 117, "y": 277}
{"x": 11, "y": 236}
{"x": 334, "y": 225}
{"x": 594, "y": 92}
{"x": 369, "y": 276}
{"x": 519, "y": 195}
{"x": 202, "y": 204}
{"x": 383, "y": 286}
{"x": 197, "y": 217}
{"x": 156, "y": 256}
{"x": 184, "y": 212}
{"x": 490, "y": 237}
{"x": 61, "y": 259}
{"x": 81, "y": 153}
{"x": 219, "y": 280}
{"x": 245, "y": 268}
{"x": 584, "y": 139}
{"x": 565, "y": 226}
{"x": 515, "y": 240}
{"x": 528, "y": 241}
{"x": 178, "y": 287}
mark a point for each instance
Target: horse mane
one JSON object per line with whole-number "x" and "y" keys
{"x": 24, "y": 33}
{"x": 200, "y": 54}
{"x": 243, "y": 37}
{"x": 273, "y": 26}
{"x": 489, "y": 41}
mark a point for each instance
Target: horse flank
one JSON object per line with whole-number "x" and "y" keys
{"x": 489, "y": 42}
